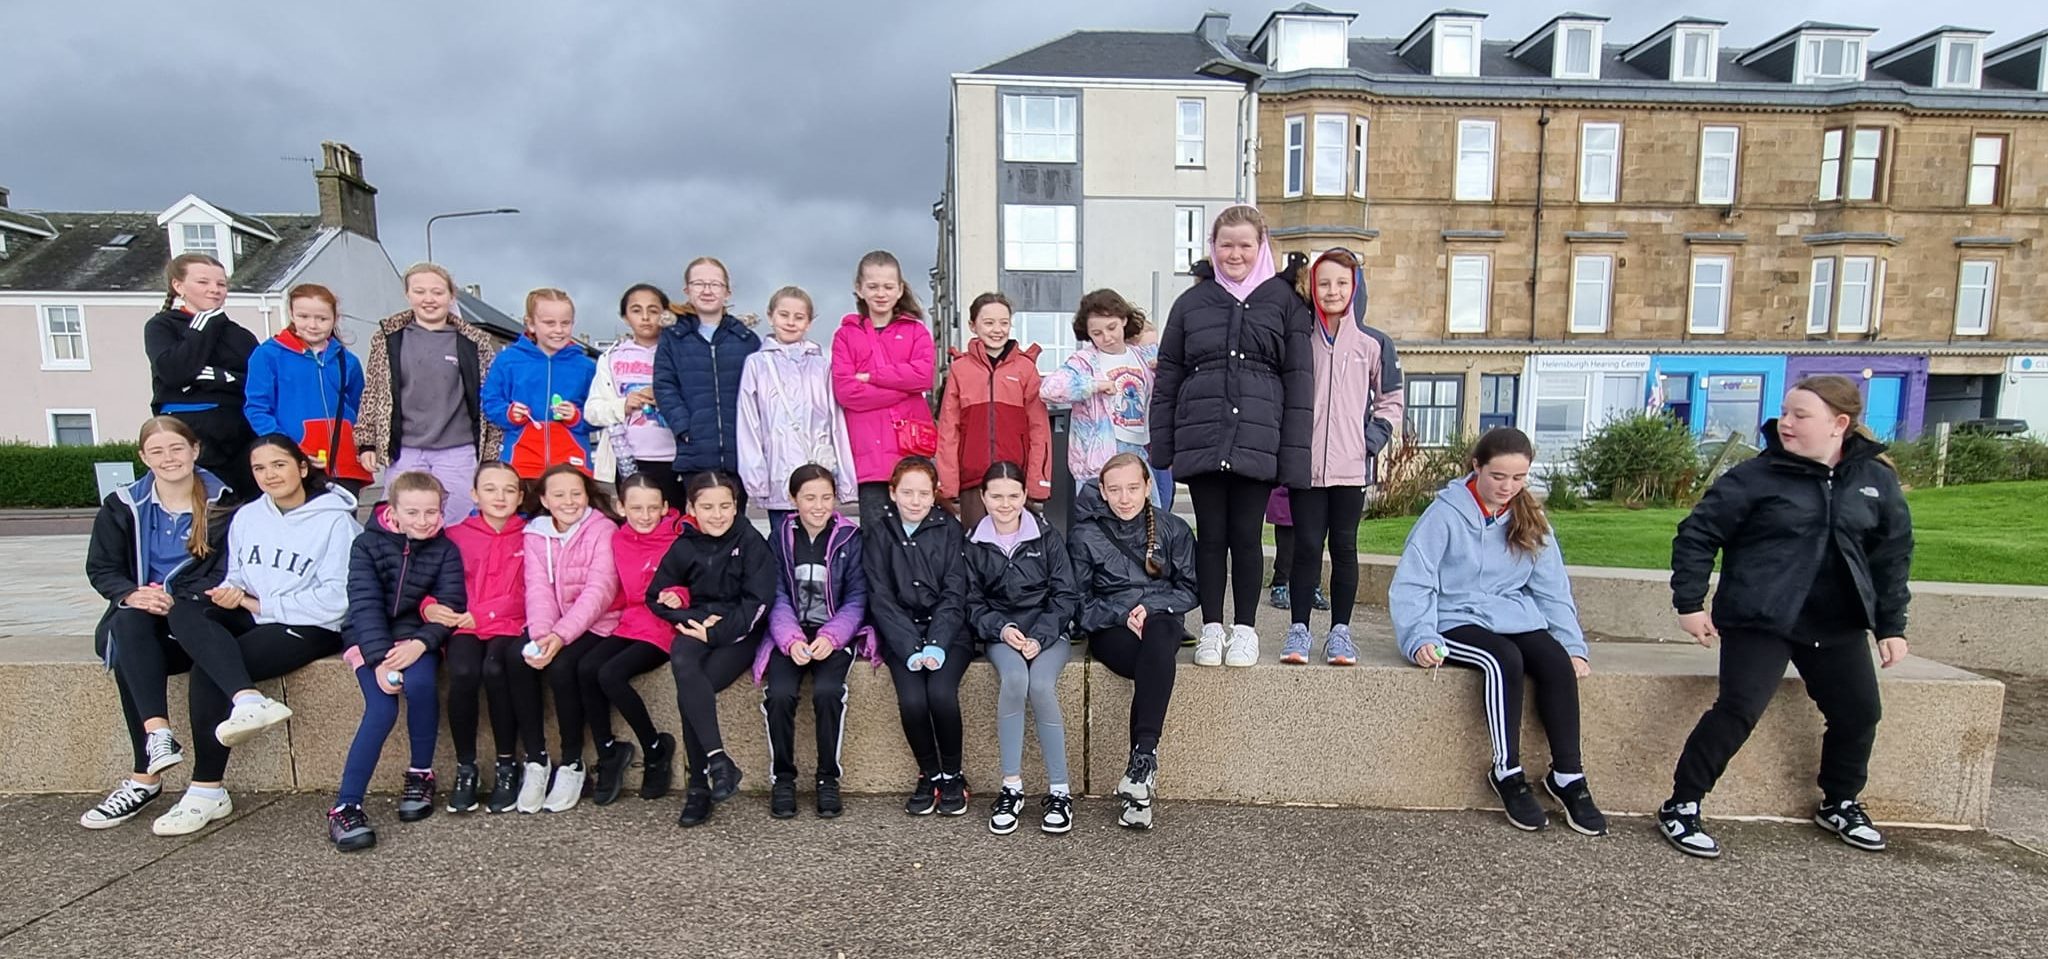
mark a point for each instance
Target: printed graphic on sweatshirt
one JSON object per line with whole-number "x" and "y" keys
{"x": 1127, "y": 409}
{"x": 636, "y": 372}
{"x": 810, "y": 585}
{"x": 277, "y": 557}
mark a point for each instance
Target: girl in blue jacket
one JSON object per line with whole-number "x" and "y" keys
{"x": 304, "y": 384}
{"x": 697, "y": 370}
{"x": 1481, "y": 584}
{"x": 537, "y": 387}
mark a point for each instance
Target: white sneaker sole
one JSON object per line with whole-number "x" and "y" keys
{"x": 159, "y": 765}
{"x": 186, "y": 825}
{"x": 1057, "y": 830}
{"x": 1567, "y": 810}
{"x": 232, "y": 734}
{"x": 1714, "y": 853}
{"x": 91, "y": 823}
{"x": 1205, "y": 659}
{"x": 1002, "y": 830}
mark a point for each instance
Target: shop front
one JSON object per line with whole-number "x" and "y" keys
{"x": 1565, "y": 397}
{"x": 1719, "y": 395}
{"x": 1894, "y": 387}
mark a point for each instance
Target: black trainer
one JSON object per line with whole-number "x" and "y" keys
{"x": 696, "y": 807}
{"x": 1002, "y": 817}
{"x": 658, "y": 769}
{"x": 348, "y": 827}
{"x": 611, "y": 771}
{"x": 829, "y": 804}
{"x": 725, "y": 776}
{"x": 782, "y": 799}
{"x": 462, "y": 798}
{"x": 953, "y": 795}
{"x": 924, "y": 797}
{"x": 416, "y": 801}
{"x": 1059, "y": 813}
{"x": 1679, "y": 824}
{"x": 1848, "y": 821}
{"x": 1519, "y": 801}
{"x": 1580, "y": 813}
{"x": 504, "y": 787}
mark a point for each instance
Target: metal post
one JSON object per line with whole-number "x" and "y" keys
{"x": 1941, "y": 431}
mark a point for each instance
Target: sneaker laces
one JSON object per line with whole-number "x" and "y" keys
{"x": 1143, "y": 765}
{"x": 1060, "y": 803}
{"x": 1008, "y": 802}
{"x": 124, "y": 800}
{"x": 161, "y": 744}
{"x": 1852, "y": 815}
{"x": 349, "y": 817}
{"x": 1340, "y": 644}
{"x": 418, "y": 786}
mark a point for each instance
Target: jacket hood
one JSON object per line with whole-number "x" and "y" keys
{"x": 144, "y": 490}
{"x": 514, "y": 525}
{"x": 1359, "y": 296}
{"x": 671, "y": 525}
{"x": 985, "y": 531}
{"x": 289, "y": 339}
{"x": 1089, "y": 505}
{"x": 1457, "y": 495}
{"x": 803, "y": 347}
{"x": 859, "y": 319}
{"x": 1855, "y": 446}
{"x": 334, "y": 500}
{"x": 544, "y": 526}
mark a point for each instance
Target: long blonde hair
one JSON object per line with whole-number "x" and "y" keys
{"x": 196, "y": 542}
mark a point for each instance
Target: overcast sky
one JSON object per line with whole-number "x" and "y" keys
{"x": 784, "y": 138}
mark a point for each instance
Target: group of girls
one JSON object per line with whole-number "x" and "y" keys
{"x": 522, "y": 574}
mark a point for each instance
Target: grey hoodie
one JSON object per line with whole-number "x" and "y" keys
{"x": 1458, "y": 570}
{"x": 295, "y": 564}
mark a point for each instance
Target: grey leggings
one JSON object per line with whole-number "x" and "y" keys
{"x": 1038, "y": 680}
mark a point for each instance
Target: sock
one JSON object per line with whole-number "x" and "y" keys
{"x": 1059, "y": 789}
{"x": 1503, "y": 772}
{"x": 154, "y": 733}
{"x": 1565, "y": 779}
{"x": 151, "y": 788}
{"x": 416, "y": 769}
{"x": 248, "y": 698}
{"x": 215, "y": 793}
{"x": 505, "y": 758}
{"x": 1014, "y": 782}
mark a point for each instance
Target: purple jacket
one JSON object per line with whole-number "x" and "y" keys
{"x": 788, "y": 418}
{"x": 846, "y": 594}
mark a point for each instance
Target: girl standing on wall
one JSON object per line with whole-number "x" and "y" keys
{"x": 422, "y": 391}
{"x": 199, "y": 368}
{"x": 882, "y": 365}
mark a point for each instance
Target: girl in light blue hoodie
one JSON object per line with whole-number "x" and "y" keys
{"x": 1481, "y": 584}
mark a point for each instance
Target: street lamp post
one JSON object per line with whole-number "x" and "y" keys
{"x": 450, "y": 216}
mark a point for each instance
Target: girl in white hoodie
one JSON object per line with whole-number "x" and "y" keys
{"x": 282, "y": 602}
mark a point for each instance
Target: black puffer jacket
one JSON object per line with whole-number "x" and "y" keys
{"x": 1236, "y": 384}
{"x": 917, "y": 584}
{"x": 1773, "y": 519}
{"x": 390, "y": 575}
{"x": 1109, "y": 562}
{"x": 1032, "y": 588}
{"x": 731, "y": 576}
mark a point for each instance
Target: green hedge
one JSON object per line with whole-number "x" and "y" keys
{"x": 1972, "y": 458}
{"x": 52, "y": 477}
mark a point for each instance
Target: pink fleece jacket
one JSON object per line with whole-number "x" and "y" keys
{"x": 636, "y": 556}
{"x": 571, "y": 585}
{"x": 491, "y": 569}
{"x": 899, "y": 360}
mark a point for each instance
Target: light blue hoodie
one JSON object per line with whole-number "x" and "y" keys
{"x": 1458, "y": 570}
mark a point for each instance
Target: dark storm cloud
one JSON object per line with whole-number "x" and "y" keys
{"x": 785, "y": 138}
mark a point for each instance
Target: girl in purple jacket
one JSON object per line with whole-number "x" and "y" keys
{"x": 815, "y": 628}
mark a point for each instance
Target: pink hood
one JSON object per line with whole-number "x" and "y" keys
{"x": 571, "y": 584}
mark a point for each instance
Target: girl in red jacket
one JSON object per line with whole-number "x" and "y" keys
{"x": 571, "y": 605}
{"x": 484, "y": 652}
{"x": 991, "y": 413}
{"x": 882, "y": 362}
{"x": 639, "y": 645}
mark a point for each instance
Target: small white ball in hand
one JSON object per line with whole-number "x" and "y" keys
{"x": 531, "y": 650}
{"x": 394, "y": 678}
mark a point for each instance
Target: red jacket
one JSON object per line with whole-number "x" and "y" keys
{"x": 636, "y": 556}
{"x": 990, "y": 413}
{"x": 493, "y": 570}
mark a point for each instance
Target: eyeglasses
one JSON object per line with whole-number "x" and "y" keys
{"x": 705, "y": 285}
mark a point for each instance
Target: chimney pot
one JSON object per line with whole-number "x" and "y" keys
{"x": 347, "y": 201}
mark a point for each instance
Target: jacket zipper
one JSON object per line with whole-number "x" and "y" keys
{"x": 1329, "y": 392}
{"x": 547, "y": 436}
{"x": 1827, "y": 539}
{"x": 1230, "y": 366}
{"x": 398, "y": 589}
{"x": 991, "y": 414}
{"x": 717, "y": 392}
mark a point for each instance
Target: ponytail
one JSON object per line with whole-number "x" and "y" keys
{"x": 1527, "y": 526}
{"x": 1153, "y": 567}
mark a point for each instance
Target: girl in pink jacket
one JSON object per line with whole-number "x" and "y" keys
{"x": 639, "y": 644}
{"x": 572, "y": 593}
{"x": 882, "y": 364}
{"x": 787, "y": 417}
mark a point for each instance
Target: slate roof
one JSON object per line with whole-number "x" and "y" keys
{"x": 497, "y": 322}
{"x": 1119, "y": 55}
{"x": 82, "y": 259}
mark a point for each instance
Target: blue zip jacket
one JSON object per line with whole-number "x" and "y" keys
{"x": 522, "y": 373}
{"x": 697, "y": 389}
{"x": 289, "y": 385}
{"x": 1458, "y": 570}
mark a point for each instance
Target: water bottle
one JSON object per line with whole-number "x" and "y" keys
{"x": 394, "y": 678}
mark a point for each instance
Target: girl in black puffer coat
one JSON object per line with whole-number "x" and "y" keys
{"x": 1232, "y": 409}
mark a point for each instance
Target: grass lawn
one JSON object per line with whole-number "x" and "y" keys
{"x": 1989, "y": 533}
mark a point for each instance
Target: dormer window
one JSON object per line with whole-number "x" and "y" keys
{"x": 1311, "y": 44}
{"x": 1457, "y": 49}
{"x": 196, "y": 238}
{"x": 1957, "y": 68}
{"x": 1575, "y": 54}
{"x": 1830, "y": 59}
{"x": 1699, "y": 53}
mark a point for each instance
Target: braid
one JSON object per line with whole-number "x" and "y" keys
{"x": 1152, "y": 567}
{"x": 170, "y": 297}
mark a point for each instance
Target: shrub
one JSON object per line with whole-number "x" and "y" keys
{"x": 1564, "y": 489}
{"x": 1414, "y": 473}
{"x": 53, "y": 477}
{"x": 1640, "y": 459}
{"x": 1972, "y": 458}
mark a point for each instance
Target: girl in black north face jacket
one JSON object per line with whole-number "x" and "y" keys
{"x": 1816, "y": 543}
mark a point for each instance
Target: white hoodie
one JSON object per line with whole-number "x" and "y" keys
{"x": 295, "y": 564}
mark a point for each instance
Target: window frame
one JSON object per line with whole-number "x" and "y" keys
{"x": 1606, "y": 293}
{"x": 92, "y": 420}
{"x": 1507, "y": 385}
{"x": 1467, "y": 32}
{"x": 1454, "y": 422}
{"x": 1833, "y": 142}
{"x": 1820, "y": 295}
{"x": 1866, "y": 303}
{"x": 1995, "y": 168}
{"x": 1692, "y": 293}
{"x": 1734, "y": 158}
{"x": 1561, "y": 67}
{"x": 1857, "y": 160}
{"x": 1485, "y": 262}
{"x": 1612, "y": 155}
{"x": 1294, "y": 163}
{"x": 1679, "y": 63}
{"x": 48, "y": 339}
{"x": 1944, "y": 63}
{"x": 1987, "y": 309}
{"x": 1339, "y": 151}
{"x": 1492, "y": 128}
{"x": 1067, "y": 239}
{"x": 1187, "y": 243}
{"x": 1813, "y": 57}
{"x": 1066, "y": 142}
{"x": 1053, "y": 352}
{"x": 1190, "y": 150}
{"x": 1361, "y": 139}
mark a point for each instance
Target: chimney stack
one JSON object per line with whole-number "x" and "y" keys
{"x": 347, "y": 200}
{"x": 1215, "y": 28}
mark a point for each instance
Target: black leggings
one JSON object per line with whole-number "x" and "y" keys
{"x": 701, "y": 671}
{"x": 1150, "y": 663}
{"x": 606, "y": 677}
{"x": 561, "y": 675}
{"x": 1230, "y": 518}
{"x": 1504, "y": 660}
{"x": 1283, "y": 554}
{"x": 495, "y": 667}
{"x": 1840, "y": 679}
{"x": 1327, "y": 513}
{"x": 828, "y": 706}
{"x": 929, "y": 701}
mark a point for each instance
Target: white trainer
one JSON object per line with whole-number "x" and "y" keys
{"x": 1244, "y": 647}
{"x": 533, "y": 788}
{"x": 568, "y": 789}
{"x": 191, "y": 814}
{"x": 250, "y": 718}
{"x": 1209, "y": 649}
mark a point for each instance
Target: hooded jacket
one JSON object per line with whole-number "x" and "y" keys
{"x": 572, "y": 587}
{"x": 295, "y": 564}
{"x": 635, "y": 556}
{"x": 1032, "y": 588}
{"x": 1773, "y": 520}
{"x": 1091, "y": 433}
{"x": 990, "y": 412}
{"x": 787, "y": 418}
{"x": 846, "y": 593}
{"x": 524, "y": 373}
{"x": 390, "y": 577}
{"x": 731, "y": 576}
{"x": 899, "y": 360}
{"x": 697, "y": 389}
{"x": 383, "y": 422}
{"x": 614, "y": 432}
{"x": 1358, "y": 395}
{"x": 196, "y": 358}
{"x": 1109, "y": 562}
{"x": 1457, "y": 569}
{"x": 917, "y": 583}
{"x": 117, "y": 558}
{"x": 311, "y": 396}
{"x": 493, "y": 575}
{"x": 1235, "y": 385}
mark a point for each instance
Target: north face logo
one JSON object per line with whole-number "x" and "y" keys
{"x": 1870, "y": 491}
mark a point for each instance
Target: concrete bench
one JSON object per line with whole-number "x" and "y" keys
{"x": 1383, "y": 733}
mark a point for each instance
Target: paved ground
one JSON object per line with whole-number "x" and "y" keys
{"x": 1211, "y": 881}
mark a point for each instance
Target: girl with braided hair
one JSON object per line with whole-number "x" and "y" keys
{"x": 1135, "y": 564}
